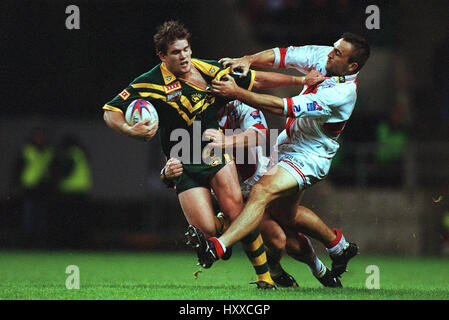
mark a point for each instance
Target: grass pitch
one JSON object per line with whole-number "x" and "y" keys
{"x": 28, "y": 275}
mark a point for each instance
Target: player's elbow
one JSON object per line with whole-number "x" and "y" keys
{"x": 106, "y": 117}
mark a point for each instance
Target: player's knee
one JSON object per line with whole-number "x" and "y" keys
{"x": 261, "y": 193}
{"x": 208, "y": 229}
{"x": 275, "y": 240}
{"x": 232, "y": 205}
{"x": 292, "y": 247}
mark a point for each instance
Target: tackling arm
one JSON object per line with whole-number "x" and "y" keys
{"x": 263, "y": 59}
{"x": 265, "y": 102}
{"x": 247, "y": 138}
{"x": 268, "y": 80}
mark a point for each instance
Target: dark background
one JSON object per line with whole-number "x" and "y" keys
{"x": 59, "y": 79}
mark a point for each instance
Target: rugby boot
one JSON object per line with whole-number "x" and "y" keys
{"x": 263, "y": 285}
{"x": 330, "y": 280}
{"x": 285, "y": 280}
{"x": 339, "y": 262}
{"x": 205, "y": 248}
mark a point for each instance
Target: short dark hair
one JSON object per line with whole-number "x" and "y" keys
{"x": 168, "y": 32}
{"x": 360, "y": 49}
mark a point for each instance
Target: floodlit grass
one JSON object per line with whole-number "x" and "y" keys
{"x": 27, "y": 275}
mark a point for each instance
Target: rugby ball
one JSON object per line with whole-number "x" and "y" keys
{"x": 139, "y": 110}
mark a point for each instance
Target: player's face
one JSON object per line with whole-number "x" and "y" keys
{"x": 337, "y": 62}
{"x": 178, "y": 57}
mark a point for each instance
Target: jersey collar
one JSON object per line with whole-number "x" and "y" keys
{"x": 204, "y": 67}
{"x": 168, "y": 76}
{"x": 345, "y": 79}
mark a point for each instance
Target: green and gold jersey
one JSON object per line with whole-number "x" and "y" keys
{"x": 178, "y": 103}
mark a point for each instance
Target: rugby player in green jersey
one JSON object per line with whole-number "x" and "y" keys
{"x": 179, "y": 89}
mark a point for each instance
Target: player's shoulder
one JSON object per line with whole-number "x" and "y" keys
{"x": 336, "y": 93}
{"x": 312, "y": 48}
{"x": 152, "y": 76}
{"x": 207, "y": 67}
{"x": 207, "y": 62}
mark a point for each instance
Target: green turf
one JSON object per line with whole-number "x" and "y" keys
{"x": 169, "y": 276}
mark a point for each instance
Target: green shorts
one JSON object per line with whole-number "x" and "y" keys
{"x": 198, "y": 175}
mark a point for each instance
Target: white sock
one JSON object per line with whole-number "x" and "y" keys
{"x": 338, "y": 248}
{"x": 317, "y": 268}
{"x": 222, "y": 246}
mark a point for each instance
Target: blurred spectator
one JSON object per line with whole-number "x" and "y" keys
{"x": 391, "y": 139}
{"x": 445, "y": 225}
{"x": 32, "y": 177}
{"x": 74, "y": 181}
{"x": 441, "y": 80}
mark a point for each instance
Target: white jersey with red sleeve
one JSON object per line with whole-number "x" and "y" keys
{"x": 315, "y": 117}
{"x": 241, "y": 117}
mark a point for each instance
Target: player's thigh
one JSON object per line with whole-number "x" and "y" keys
{"x": 275, "y": 184}
{"x": 284, "y": 210}
{"x": 225, "y": 184}
{"x": 196, "y": 203}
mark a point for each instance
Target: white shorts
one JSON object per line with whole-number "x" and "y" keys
{"x": 307, "y": 169}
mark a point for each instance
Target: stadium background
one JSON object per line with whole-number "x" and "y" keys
{"x": 59, "y": 79}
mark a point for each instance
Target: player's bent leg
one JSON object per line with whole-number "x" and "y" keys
{"x": 254, "y": 248}
{"x": 227, "y": 191}
{"x": 273, "y": 235}
{"x": 275, "y": 240}
{"x": 307, "y": 222}
{"x": 300, "y": 248}
{"x": 196, "y": 203}
{"x": 226, "y": 187}
{"x": 340, "y": 251}
{"x": 275, "y": 184}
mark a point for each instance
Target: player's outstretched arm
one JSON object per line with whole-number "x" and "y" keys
{"x": 265, "y": 102}
{"x": 248, "y": 138}
{"x": 269, "y": 80}
{"x": 140, "y": 130}
{"x": 263, "y": 59}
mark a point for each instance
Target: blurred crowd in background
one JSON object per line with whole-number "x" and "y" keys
{"x": 397, "y": 138}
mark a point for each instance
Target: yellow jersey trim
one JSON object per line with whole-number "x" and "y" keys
{"x": 206, "y": 68}
{"x": 166, "y": 74}
{"x": 251, "y": 84}
{"x": 111, "y": 108}
{"x": 148, "y": 86}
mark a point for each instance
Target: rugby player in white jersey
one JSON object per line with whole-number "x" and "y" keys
{"x": 315, "y": 119}
{"x": 243, "y": 132}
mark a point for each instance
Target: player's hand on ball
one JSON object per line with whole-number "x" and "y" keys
{"x": 238, "y": 66}
{"x": 314, "y": 77}
{"x": 142, "y": 130}
{"x": 226, "y": 87}
{"x": 173, "y": 168}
